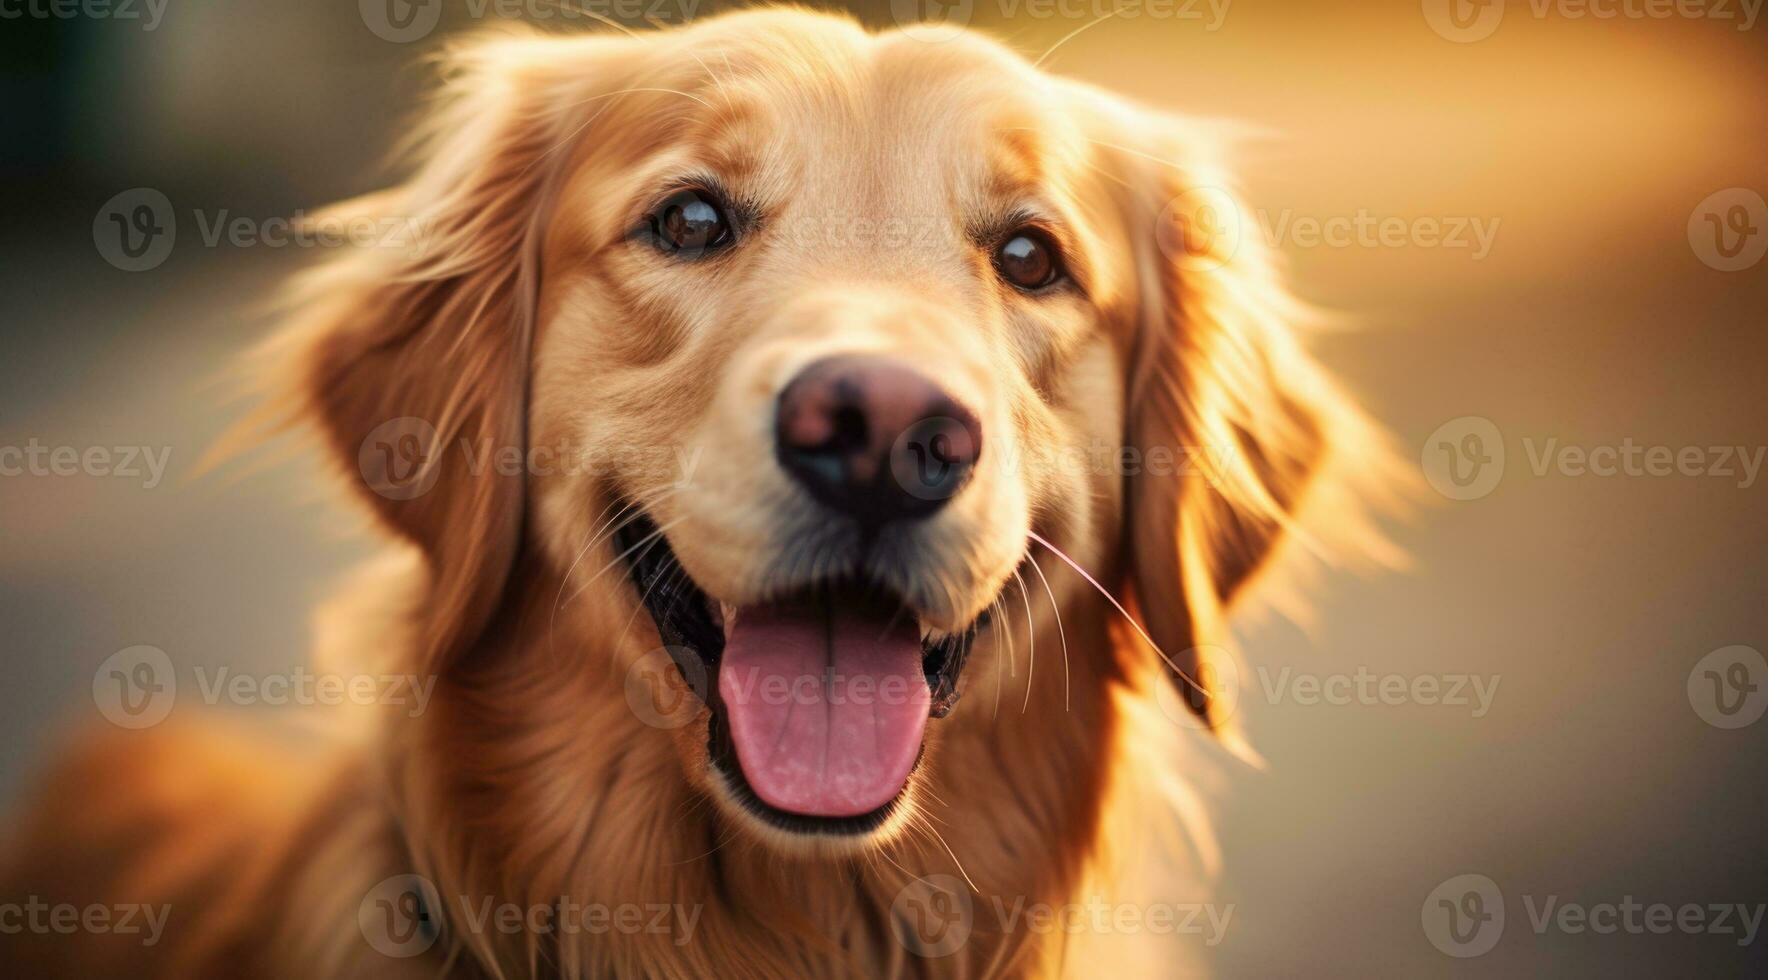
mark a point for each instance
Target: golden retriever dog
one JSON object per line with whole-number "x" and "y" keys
{"x": 904, "y": 407}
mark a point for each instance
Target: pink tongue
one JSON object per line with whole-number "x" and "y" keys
{"x": 826, "y": 705}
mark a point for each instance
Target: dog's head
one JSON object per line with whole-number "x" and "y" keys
{"x": 801, "y": 340}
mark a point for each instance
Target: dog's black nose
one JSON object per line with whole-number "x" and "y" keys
{"x": 875, "y": 439}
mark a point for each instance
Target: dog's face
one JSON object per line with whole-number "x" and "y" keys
{"x": 882, "y": 238}
{"x": 817, "y": 327}
{"x": 808, "y": 335}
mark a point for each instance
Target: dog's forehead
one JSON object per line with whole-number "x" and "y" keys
{"x": 902, "y": 123}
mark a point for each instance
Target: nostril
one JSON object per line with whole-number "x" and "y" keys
{"x": 850, "y": 431}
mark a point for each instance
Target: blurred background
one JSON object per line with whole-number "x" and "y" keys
{"x": 1606, "y": 289}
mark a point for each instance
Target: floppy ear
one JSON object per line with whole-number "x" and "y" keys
{"x": 1220, "y": 381}
{"x": 409, "y": 351}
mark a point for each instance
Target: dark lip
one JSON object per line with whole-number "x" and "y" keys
{"x": 690, "y": 626}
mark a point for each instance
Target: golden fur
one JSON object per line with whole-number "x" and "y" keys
{"x": 519, "y": 317}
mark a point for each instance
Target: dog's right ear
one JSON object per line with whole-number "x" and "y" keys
{"x": 1222, "y": 380}
{"x": 409, "y": 350}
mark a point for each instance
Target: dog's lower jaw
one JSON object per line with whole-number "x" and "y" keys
{"x": 736, "y": 807}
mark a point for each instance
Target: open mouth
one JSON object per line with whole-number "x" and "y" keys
{"x": 820, "y": 698}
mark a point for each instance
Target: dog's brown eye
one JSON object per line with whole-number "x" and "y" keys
{"x": 689, "y": 223}
{"x": 1028, "y": 260}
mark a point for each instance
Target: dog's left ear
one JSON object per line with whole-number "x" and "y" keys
{"x": 409, "y": 351}
{"x": 1220, "y": 384}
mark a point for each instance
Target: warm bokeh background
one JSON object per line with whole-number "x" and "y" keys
{"x": 1591, "y": 320}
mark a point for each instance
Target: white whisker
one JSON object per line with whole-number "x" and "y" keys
{"x": 572, "y": 135}
{"x": 1000, "y": 615}
{"x": 595, "y": 535}
{"x": 1007, "y": 631}
{"x": 1061, "y": 633}
{"x": 602, "y": 18}
{"x": 642, "y": 88}
{"x": 1030, "y": 641}
{"x": 948, "y": 851}
{"x": 1132, "y": 151}
{"x": 1071, "y": 563}
{"x": 675, "y": 577}
{"x": 642, "y": 543}
{"x": 1074, "y": 33}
